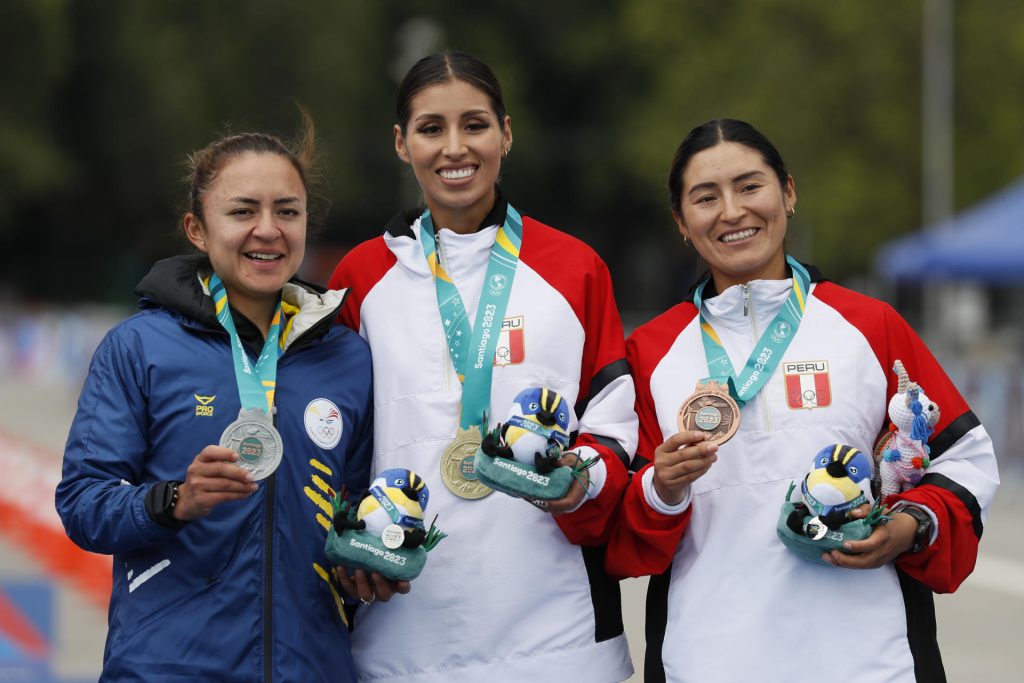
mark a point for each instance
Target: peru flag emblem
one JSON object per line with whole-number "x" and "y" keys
{"x": 807, "y": 384}
{"x": 512, "y": 342}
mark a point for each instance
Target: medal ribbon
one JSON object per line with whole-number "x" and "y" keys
{"x": 256, "y": 384}
{"x": 393, "y": 512}
{"x": 537, "y": 428}
{"x": 472, "y": 348}
{"x": 768, "y": 351}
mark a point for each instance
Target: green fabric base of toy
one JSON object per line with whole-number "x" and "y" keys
{"x": 811, "y": 550}
{"x": 398, "y": 564}
{"x": 519, "y": 480}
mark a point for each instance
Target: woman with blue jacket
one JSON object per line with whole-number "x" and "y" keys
{"x": 213, "y": 428}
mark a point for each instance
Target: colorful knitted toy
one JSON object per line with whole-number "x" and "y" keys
{"x": 902, "y": 454}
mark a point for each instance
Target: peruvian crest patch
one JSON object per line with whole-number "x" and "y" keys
{"x": 807, "y": 384}
{"x": 512, "y": 342}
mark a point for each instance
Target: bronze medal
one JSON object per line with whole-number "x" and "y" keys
{"x": 457, "y": 471}
{"x": 710, "y": 409}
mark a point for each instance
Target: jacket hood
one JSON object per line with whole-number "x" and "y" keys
{"x": 176, "y": 284}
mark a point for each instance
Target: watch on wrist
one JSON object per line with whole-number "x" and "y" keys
{"x": 160, "y": 502}
{"x": 923, "y": 535}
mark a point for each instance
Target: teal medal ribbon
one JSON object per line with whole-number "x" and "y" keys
{"x": 252, "y": 435}
{"x": 256, "y": 383}
{"x": 472, "y": 348}
{"x": 393, "y": 512}
{"x": 519, "y": 421}
{"x": 768, "y": 351}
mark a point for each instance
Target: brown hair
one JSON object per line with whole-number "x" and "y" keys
{"x": 204, "y": 164}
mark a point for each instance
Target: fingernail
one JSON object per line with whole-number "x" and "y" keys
{"x": 847, "y": 546}
{"x": 713, "y": 448}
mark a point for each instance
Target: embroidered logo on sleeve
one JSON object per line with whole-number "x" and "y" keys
{"x": 323, "y": 423}
{"x": 807, "y": 384}
{"x": 203, "y": 405}
{"x": 512, "y": 342}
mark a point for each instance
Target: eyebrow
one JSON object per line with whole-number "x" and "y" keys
{"x": 464, "y": 115}
{"x": 740, "y": 178}
{"x": 250, "y": 200}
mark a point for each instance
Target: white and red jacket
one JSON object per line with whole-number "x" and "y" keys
{"x": 730, "y": 602}
{"x": 505, "y": 597}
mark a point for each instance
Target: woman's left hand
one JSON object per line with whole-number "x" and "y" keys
{"x": 886, "y": 543}
{"x": 573, "y": 497}
{"x": 369, "y": 587}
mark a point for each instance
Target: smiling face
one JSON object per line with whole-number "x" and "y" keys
{"x": 454, "y": 143}
{"x": 734, "y": 210}
{"x": 253, "y": 228}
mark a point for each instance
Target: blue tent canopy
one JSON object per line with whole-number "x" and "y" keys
{"x": 983, "y": 243}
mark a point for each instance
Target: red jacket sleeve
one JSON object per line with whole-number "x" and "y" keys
{"x": 643, "y": 541}
{"x": 607, "y": 423}
{"x": 960, "y": 483}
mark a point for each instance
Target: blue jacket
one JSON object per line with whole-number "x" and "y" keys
{"x": 244, "y": 594}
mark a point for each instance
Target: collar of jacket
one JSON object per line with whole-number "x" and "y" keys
{"x": 175, "y": 284}
{"x": 710, "y": 290}
{"x": 401, "y": 224}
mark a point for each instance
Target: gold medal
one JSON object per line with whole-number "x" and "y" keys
{"x": 457, "y": 465}
{"x": 710, "y": 409}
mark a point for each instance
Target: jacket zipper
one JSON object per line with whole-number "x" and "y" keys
{"x": 268, "y": 574}
{"x": 748, "y": 309}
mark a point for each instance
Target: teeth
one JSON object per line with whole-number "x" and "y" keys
{"x": 741, "y": 235}
{"x": 457, "y": 174}
{"x": 263, "y": 257}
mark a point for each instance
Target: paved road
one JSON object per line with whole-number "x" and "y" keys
{"x": 979, "y": 626}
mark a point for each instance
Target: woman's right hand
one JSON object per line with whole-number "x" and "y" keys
{"x": 369, "y": 586}
{"x": 212, "y": 478}
{"x": 681, "y": 460}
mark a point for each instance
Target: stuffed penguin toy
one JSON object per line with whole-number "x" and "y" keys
{"x": 396, "y": 496}
{"x": 839, "y": 481}
{"x": 815, "y": 519}
{"x": 536, "y": 430}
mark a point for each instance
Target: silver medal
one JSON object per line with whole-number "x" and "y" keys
{"x": 392, "y": 537}
{"x": 256, "y": 441}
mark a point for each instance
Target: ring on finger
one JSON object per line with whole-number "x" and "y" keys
{"x": 370, "y": 601}
{"x": 539, "y": 503}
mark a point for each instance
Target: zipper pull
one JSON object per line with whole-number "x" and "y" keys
{"x": 746, "y": 299}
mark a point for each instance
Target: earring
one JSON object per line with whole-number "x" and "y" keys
{"x": 790, "y": 212}
{"x": 686, "y": 241}
{"x": 507, "y": 151}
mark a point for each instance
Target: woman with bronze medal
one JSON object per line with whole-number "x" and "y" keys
{"x": 738, "y": 388}
{"x": 212, "y": 430}
{"x": 465, "y": 303}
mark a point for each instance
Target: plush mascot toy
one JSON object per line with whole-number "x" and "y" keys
{"x": 383, "y": 530}
{"x": 520, "y": 457}
{"x": 818, "y": 519}
{"x": 902, "y": 453}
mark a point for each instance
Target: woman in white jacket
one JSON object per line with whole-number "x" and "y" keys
{"x": 507, "y": 596}
{"x": 809, "y": 364}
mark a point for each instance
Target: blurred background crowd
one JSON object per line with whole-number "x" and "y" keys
{"x": 901, "y": 122}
